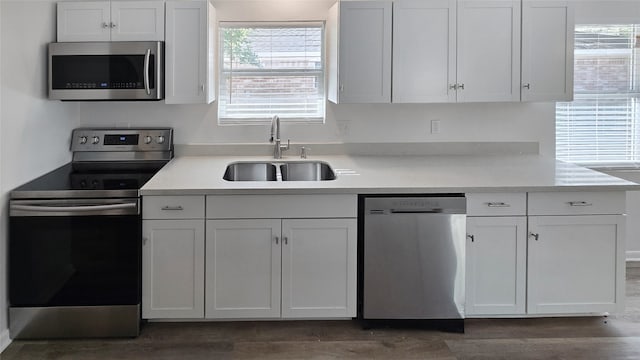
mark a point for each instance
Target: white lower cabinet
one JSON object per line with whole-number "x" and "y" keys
{"x": 557, "y": 252}
{"x": 496, "y": 265}
{"x": 243, "y": 268}
{"x": 271, "y": 268}
{"x": 576, "y": 264}
{"x": 319, "y": 268}
{"x": 173, "y": 269}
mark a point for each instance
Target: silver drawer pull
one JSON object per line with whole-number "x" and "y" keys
{"x": 579, "y": 203}
{"x": 172, "y": 207}
{"x": 497, "y": 204}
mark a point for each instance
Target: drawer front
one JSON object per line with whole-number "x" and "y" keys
{"x": 173, "y": 207}
{"x": 496, "y": 204}
{"x": 281, "y": 206}
{"x": 577, "y": 203}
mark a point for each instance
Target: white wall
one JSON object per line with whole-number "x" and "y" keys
{"x": 34, "y": 132}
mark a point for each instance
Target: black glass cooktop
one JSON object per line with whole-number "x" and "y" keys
{"x": 69, "y": 182}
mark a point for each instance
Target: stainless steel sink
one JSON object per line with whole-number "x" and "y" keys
{"x": 283, "y": 171}
{"x": 307, "y": 171}
{"x": 250, "y": 171}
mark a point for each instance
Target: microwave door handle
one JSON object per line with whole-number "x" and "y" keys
{"x": 73, "y": 208}
{"x": 147, "y": 56}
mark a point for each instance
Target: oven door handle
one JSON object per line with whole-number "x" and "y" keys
{"x": 103, "y": 209}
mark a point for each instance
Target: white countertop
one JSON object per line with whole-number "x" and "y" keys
{"x": 202, "y": 175}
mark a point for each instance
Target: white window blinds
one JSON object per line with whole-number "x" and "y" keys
{"x": 271, "y": 69}
{"x": 602, "y": 124}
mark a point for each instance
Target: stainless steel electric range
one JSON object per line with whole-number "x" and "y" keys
{"x": 75, "y": 237}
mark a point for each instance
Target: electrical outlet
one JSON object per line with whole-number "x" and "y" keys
{"x": 435, "y": 126}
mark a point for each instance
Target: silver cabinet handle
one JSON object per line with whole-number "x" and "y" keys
{"x": 341, "y": 88}
{"x": 277, "y": 240}
{"x": 168, "y": 207}
{"x": 461, "y": 86}
{"x": 473, "y": 238}
{"x": 285, "y": 240}
{"x": 147, "y": 56}
{"x": 105, "y": 25}
{"x": 526, "y": 86}
{"x": 534, "y": 236}
{"x": 579, "y": 203}
{"x": 202, "y": 87}
{"x": 498, "y": 204}
{"x": 112, "y": 25}
{"x": 453, "y": 86}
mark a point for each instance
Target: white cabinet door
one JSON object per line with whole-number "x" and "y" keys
{"x": 173, "y": 269}
{"x": 488, "y": 51}
{"x": 364, "y": 52}
{"x": 547, "y": 50}
{"x": 84, "y": 21}
{"x": 496, "y": 265}
{"x": 319, "y": 268}
{"x": 424, "y": 51}
{"x": 575, "y": 264}
{"x": 137, "y": 21}
{"x": 189, "y": 52}
{"x": 243, "y": 268}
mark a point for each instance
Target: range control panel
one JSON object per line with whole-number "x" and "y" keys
{"x": 125, "y": 139}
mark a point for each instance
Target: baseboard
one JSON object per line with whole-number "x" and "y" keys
{"x": 633, "y": 256}
{"x": 4, "y": 340}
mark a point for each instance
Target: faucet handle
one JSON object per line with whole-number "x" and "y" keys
{"x": 286, "y": 147}
{"x": 303, "y": 152}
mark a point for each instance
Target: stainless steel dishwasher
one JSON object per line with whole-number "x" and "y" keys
{"x": 413, "y": 254}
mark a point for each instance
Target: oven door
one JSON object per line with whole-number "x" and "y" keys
{"x": 74, "y": 252}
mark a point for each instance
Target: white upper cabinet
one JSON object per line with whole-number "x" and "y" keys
{"x": 547, "y": 51}
{"x": 84, "y": 21}
{"x": 488, "y": 59}
{"x": 359, "y": 66}
{"x": 110, "y": 21}
{"x": 424, "y": 51}
{"x": 190, "y": 52}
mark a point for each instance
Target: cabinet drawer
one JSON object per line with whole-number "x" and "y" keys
{"x": 173, "y": 207}
{"x": 496, "y": 204}
{"x": 577, "y": 203}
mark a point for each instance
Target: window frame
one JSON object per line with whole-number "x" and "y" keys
{"x": 320, "y": 74}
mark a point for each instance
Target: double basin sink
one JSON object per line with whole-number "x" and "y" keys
{"x": 279, "y": 171}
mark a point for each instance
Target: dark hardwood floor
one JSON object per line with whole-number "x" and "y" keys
{"x": 614, "y": 337}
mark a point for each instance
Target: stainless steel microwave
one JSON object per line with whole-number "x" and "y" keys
{"x": 131, "y": 70}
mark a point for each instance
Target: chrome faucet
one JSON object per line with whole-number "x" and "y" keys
{"x": 275, "y": 130}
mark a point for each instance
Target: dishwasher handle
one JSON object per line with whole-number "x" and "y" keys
{"x": 414, "y": 211}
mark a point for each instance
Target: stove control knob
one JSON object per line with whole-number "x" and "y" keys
{"x": 82, "y": 140}
{"x": 160, "y": 139}
{"x": 147, "y": 139}
{"x": 95, "y": 140}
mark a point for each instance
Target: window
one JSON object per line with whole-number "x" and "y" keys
{"x": 271, "y": 69}
{"x": 602, "y": 124}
